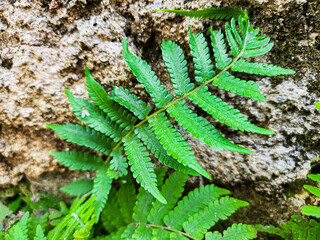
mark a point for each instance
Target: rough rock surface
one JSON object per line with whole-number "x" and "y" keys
{"x": 45, "y": 44}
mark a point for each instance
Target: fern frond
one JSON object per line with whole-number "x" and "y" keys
{"x": 126, "y": 198}
{"x": 128, "y": 232}
{"x": 19, "y": 230}
{"x": 200, "y": 128}
{"x": 172, "y": 191}
{"x": 269, "y": 229}
{"x": 101, "y": 188}
{"x": 141, "y": 165}
{"x": 83, "y": 136}
{"x": 236, "y": 231}
{"x": 241, "y": 87}
{"x": 260, "y": 68}
{"x": 35, "y": 221}
{"x": 78, "y": 188}
{"x": 193, "y": 203}
{"x": 79, "y": 160}
{"x": 219, "y": 49}
{"x": 235, "y": 50}
{"x": 145, "y": 199}
{"x": 106, "y": 104}
{"x": 198, "y": 224}
{"x": 148, "y": 137}
{"x": 94, "y": 117}
{"x": 177, "y": 66}
{"x": 119, "y": 163}
{"x": 177, "y": 236}
{"x": 174, "y": 143}
{"x": 131, "y": 102}
{"x": 146, "y": 77}
{"x": 224, "y": 113}
{"x": 160, "y": 234}
{"x": 39, "y": 234}
{"x": 211, "y": 13}
{"x": 203, "y": 68}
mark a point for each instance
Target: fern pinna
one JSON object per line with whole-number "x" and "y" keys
{"x": 127, "y": 129}
{"x": 128, "y": 215}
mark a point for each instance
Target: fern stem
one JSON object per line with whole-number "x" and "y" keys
{"x": 174, "y": 102}
{"x": 165, "y": 228}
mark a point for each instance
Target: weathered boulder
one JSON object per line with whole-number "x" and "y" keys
{"x": 44, "y": 46}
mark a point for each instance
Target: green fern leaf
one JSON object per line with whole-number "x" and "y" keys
{"x": 145, "y": 199}
{"x": 148, "y": 137}
{"x": 79, "y": 160}
{"x": 106, "y": 104}
{"x": 128, "y": 232}
{"x": 94, "y": 117}
{"x": 146, "y": 77}
{"x": 177, "y": 66}
{"x": 314, "y": 177}
{"x": 211, "y": 13}
{"x": 313, "y": 211}
{"x": 201, "y": 57}
{"x": 269, "y": 229}
{"x": 39, "y": 234}
{"x": 78, "y": 188}
{"x": 101, "y": 188}
{"x": 19, "y": 230}
{"x": 119, "y": 163}
{"x": 236, "y": 231}
{"x": 141, "y": 165}
{"x": 127, "y": 198}
{"x": 177, "y": 236}
{"x": 219, "y": 49}
{"x": 174, "y": 143}
{"x": 235, "y": 50}
{"x": 224, "y": 113}
{"x": 260, "y": 68}
{"x": 198, "y": 224}
{"x": 312, "y": 189}
{"x": 142, "y": 232}
{"x": 131, "y": 102}
{"x": 193, "y": 203}
{"x": 240, "y": 87}
{"x": 200, "y": 128}
{"x": 83, "y": 136}
{"x": 172, "y": 191}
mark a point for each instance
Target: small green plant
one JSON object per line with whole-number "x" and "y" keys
{"x": 128, "y": 215}
{"x": 112, "y": 120}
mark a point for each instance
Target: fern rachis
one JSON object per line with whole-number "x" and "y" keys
{"x": 114, "y": 116}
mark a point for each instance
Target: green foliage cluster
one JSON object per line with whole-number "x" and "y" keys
{"x": 130, "y": 131}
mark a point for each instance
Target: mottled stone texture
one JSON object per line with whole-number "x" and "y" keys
{"x": 45, "y": 46}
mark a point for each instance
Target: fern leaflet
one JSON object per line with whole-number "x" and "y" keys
{"x": 201, "y": 128}
{"x": 241, "y": 87}
{"x": 146, "y": 77}
{"x": 94, "y": 117}
{"x": 78, "y": 188}
{"x": 236, "y": 231}
{"x": 19, "y": 230}
{"x": 212, "y": 13}
{"x": 79, "y": 160}
{"x": 106, "y": 104}
{"x": 39, "y": 234}
{"x": 131, "y": 102}
{"x": 141, "y": 165}
{"x": 224, "y": 113}
{"x": 83, "y": 136}
{"x": 198, "y": 224}
{"x": 177, "y": 66}
{"x": 148, "y": 137}
{"x": 119, "y": 163}
{"x": 174, "y": 143}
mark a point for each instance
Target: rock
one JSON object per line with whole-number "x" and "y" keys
{"x": 46, "y": 44}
